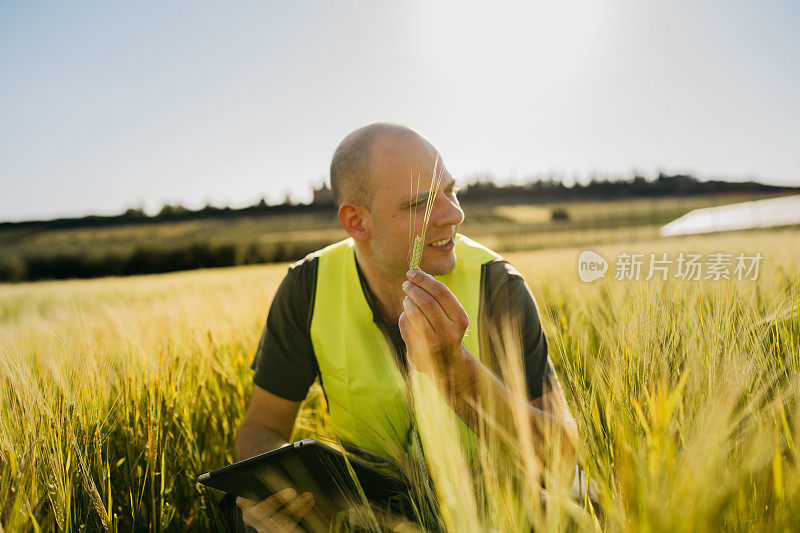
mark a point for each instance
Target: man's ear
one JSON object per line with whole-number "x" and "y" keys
{"x": 355, "y": 220}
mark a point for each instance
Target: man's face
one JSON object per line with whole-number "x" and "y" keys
{"x": 398, "y": 206}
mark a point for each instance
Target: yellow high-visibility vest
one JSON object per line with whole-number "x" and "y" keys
{"x": 364, "y": 387}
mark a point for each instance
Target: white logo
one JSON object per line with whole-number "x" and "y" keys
{"x": 591, "y": 266}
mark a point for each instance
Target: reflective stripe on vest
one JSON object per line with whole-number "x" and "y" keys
{"x": 365, "y": 389}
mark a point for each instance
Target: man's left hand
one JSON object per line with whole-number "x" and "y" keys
{"x": 432, "y": 324}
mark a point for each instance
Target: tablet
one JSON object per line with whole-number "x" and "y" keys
{"x": 309, "y": 465}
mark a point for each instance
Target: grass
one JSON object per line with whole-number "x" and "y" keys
{"x": 687, "y": 408}
{"x": 115, "y": 393}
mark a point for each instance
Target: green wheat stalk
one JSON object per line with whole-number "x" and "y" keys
{"x": 415, "y": 248}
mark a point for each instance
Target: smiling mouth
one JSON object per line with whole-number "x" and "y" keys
{"x": 442, "y": 242}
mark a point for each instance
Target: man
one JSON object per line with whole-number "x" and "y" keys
{"x": 354, "y": 315}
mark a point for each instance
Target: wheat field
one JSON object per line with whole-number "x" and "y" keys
{"x": 115, "y": 393}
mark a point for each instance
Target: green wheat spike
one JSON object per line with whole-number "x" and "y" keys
{"x": 416, "y": 253}
{"x": 419, "y": 240}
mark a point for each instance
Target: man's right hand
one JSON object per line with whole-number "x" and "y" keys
{"x": 280, "y": 513}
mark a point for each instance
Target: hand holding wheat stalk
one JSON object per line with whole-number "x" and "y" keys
{"x": 416, "y": 247}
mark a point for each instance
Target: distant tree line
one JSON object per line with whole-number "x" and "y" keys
{"x": 88, "y": 260}
{"x": 168, "y": 213}
{"x": 484, "y": 189}
{"x": 550, "y": 190}
{"x": 148, "y": 259}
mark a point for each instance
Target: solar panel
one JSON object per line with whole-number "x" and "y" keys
{"x": 773, "y": 212}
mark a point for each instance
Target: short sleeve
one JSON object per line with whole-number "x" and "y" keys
{"x": 284, "y": 361}
{"x": 514, "y": 317}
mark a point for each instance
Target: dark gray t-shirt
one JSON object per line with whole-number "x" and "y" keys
{"x": 286, "y": 366}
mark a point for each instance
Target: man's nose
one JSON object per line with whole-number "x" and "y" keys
{"x": 446, "y": 211}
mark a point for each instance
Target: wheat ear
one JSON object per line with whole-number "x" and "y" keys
{"x": 419, "y": 241}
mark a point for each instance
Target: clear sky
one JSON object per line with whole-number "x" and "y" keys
{"x": 105, "y": 106}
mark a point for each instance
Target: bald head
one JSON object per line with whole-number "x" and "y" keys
{"x": 352, "y": 164}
